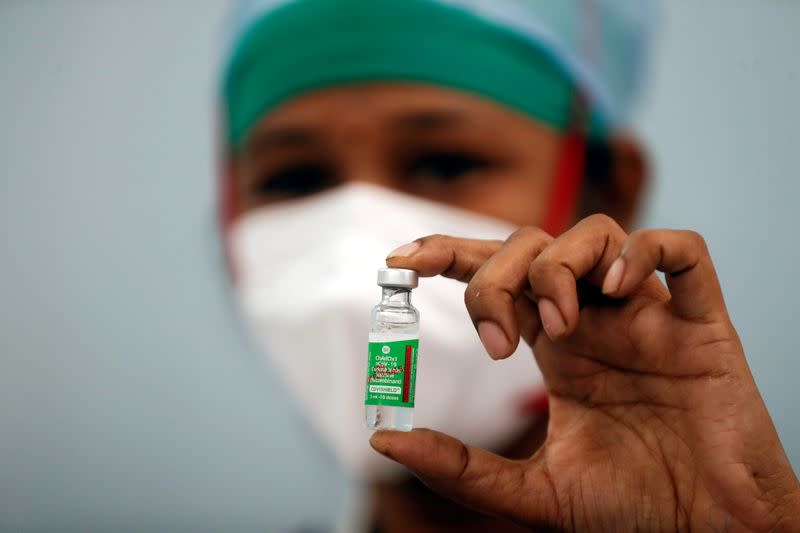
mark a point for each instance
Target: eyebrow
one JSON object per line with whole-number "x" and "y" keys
{"x": 303, "y": 136}
{"x": 432, "y": 119}
{"x": 282, "y": 137}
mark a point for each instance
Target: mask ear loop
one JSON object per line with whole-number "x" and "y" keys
{"x": 569, "y": 172}
{"x": 562, "y": 206}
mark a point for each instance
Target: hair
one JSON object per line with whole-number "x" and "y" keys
{"x": 597, "y": 177}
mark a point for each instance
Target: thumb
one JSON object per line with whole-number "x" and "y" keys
{"x": 518, "y": 490}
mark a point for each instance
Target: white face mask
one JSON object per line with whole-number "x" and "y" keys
{"x": 306, "y": 280}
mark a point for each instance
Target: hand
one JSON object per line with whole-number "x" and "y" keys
{"x": 655, "y": 420}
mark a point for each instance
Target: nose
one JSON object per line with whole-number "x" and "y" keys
{"x": 364, "y": 146}
{"x": 372, "y": 178}
{"x": 366, "y": 158}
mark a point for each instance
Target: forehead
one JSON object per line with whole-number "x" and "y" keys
{"x": 392, "y": 104}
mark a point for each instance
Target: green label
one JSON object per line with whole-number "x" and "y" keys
{"x": 392, "y": 373}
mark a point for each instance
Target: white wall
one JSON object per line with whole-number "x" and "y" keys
{"x": 129, "y": 399}
{"x": 723, "y": 119}
{"x": 127, "y": 394}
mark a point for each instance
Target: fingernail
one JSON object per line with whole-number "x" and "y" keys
{"x": 551, "y": 318}
{"x": 614, "y": 276}
{"x": 404, "y": 251}
{"x": 493, "y": 339}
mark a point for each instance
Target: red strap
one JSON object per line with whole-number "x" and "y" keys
{"x": 566, "y": 184}
{"x": 568, "y": 176}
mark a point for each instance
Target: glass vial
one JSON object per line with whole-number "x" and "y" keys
{"x": 392, "y": 356}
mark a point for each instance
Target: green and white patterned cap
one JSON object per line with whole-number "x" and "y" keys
{"x": 531, "y": 55}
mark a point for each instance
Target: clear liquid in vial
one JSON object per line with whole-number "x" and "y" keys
{"x": 385, "y": 329}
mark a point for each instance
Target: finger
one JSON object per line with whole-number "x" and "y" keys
{"x": 451, "y": 257}
{"x": 683, "y": 256}
{"x": 474, "y": 477}
{"x": 584, "y": 252}
{"x": 527, "y": 313}
{"x": 494, "y": 289}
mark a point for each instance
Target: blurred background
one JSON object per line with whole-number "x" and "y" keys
{"x": 128, "y": 391}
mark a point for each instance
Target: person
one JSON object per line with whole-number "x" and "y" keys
{"x": 348, "y": 127}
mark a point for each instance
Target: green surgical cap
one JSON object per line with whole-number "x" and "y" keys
{"x": 530, "y": 55}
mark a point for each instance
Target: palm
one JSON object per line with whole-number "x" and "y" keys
{"x": 603, "y": 410}
{"x": 655, "y": 421}
{"x": 618, "y": 434}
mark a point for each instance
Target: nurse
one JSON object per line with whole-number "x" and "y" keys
{"x": 350, "y": 127}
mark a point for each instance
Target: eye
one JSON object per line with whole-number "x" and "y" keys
{"x": 295, "y": 180}
{"x": 445, "y": 167}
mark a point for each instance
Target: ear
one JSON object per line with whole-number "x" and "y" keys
{"x": 228, "y": 202}
{"x": 616, "y": 175}
{"x": 228, "y": 208}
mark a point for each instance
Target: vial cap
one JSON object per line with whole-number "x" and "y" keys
{"x": 398, "y": 277}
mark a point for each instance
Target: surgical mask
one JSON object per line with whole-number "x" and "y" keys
{"x": 305, "y": 277}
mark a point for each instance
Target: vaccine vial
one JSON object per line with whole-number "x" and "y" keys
{"x": 392, "y": 356}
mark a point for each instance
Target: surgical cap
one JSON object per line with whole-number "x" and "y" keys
{"x": 530, "y": 55}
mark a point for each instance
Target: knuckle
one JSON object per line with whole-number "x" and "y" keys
{"x": 696, "y": 240}
{"x": 530, "y": 233}
{"x": 542, "y": 268}
{"x": 641, "y": 237}
{"x": 479, "y": 294}
{"x": 600, "y": 220}
{"x": 465, "y": 461}
{"x": 654, "y": 241}
{"x": 435, "y": 238}
{"x": 471, "y": 294}
{"x": 539, "y": 266}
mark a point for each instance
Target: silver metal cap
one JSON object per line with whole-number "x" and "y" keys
{"x": 398, "y": 277}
